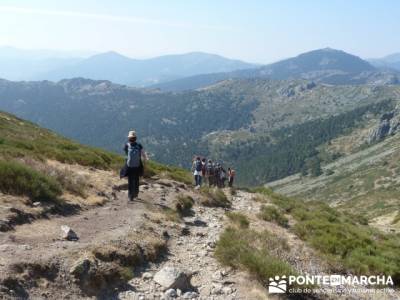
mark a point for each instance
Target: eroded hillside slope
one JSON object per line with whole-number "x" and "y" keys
{"x": 364, "y": 181}
{"x": 173, "y": 242}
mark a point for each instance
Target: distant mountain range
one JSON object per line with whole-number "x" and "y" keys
{"x": 194, "y": 70}
{"x": 325, "y": 65}
{"x": 21, "y": 64}
{"x": 17, "y": 64}
{"x": 123, "y": 70}
{"x": 390, "y": 61}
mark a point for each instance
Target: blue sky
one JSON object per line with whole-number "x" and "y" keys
{"x": 257, "y": 31}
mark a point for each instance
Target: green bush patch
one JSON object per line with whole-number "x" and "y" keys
{"x": 251, "y": 251}
{"x": 272, "y": 214}
{"x": 214, "y": 197}
{"x": 184, "y": 204}
{"x": 346, "y": 243}
{"x": 18, "y": 179}
{"x": 238, "y": 218}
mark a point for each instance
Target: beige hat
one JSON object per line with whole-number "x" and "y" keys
{"x": 132, "y": 134}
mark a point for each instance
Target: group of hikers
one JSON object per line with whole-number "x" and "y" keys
{"x": 203, "y": 170}
{"x": 212, "y": 173}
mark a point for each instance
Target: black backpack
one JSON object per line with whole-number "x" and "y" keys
{"x": 199, "y": 166}
{"x": 134, "y": 155}
{"x": 210, "y": 169}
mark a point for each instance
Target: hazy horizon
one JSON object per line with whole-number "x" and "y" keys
{"x": 138, "y": 29}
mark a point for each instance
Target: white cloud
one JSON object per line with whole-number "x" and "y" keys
{"x": 105, "y": 17}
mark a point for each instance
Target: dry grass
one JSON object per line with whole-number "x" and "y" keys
{"x": 238, "y": 219}
{"x": 259, "y": 198}
{"x": 214, "y": 197}
{"x": 183, "y": 205}
{"x": 254, "y": 252}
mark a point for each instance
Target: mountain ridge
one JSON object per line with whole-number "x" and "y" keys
{"x": 391, "y": 61}
{"x": 21, "y": 64}
{"x": 326, "y": 65}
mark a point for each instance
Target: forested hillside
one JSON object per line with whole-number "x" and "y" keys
{"x": 294, "y": 149}
{"x": 241, "y": 122}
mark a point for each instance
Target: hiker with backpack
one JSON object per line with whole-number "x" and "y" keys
{"x": 217, "y": 175}
{"x": 210, "y": 173}
{"x": 197, "y": 169}
{"x": 134, "y": 164}
{"x": 203, "y": 170}
{"x": 231, "y": 176}
{"x": 222, "y": 175}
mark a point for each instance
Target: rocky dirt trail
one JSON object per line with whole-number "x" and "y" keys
{"x": 36, "y": 262}
{"x": 37, "y": 251}
{"x": 192, "y": 252}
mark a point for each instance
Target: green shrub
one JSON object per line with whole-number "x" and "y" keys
{"x": 238, "y": 219}
{"x": 184, "y": 204}
{"x": 214, "y": 197}
{"x": 18, "y": 179}
{"x": 358, "y": 249}
{"x": 272, "y": 214}
{"x": 285, "y": 203}
{"x": 344, "y": 240}
{"x": 71, "y": 182}
{"x": 126, "y": 273}
{"x": 251, "y": 251}
{"x": 182, "y": 207}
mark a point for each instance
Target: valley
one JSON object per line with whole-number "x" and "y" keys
{"x": 236, "y": 121}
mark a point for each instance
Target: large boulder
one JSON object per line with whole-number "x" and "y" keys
{"x": 172, "y": 278}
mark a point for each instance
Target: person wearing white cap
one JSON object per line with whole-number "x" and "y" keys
{"x": 134, "y": 161}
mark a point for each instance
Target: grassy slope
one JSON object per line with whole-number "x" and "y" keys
{"x": 345, "y": 241}
{"x": 19, "y": 138}
{"x": 22, "y": 141}
{"x": 365, "y": 183}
